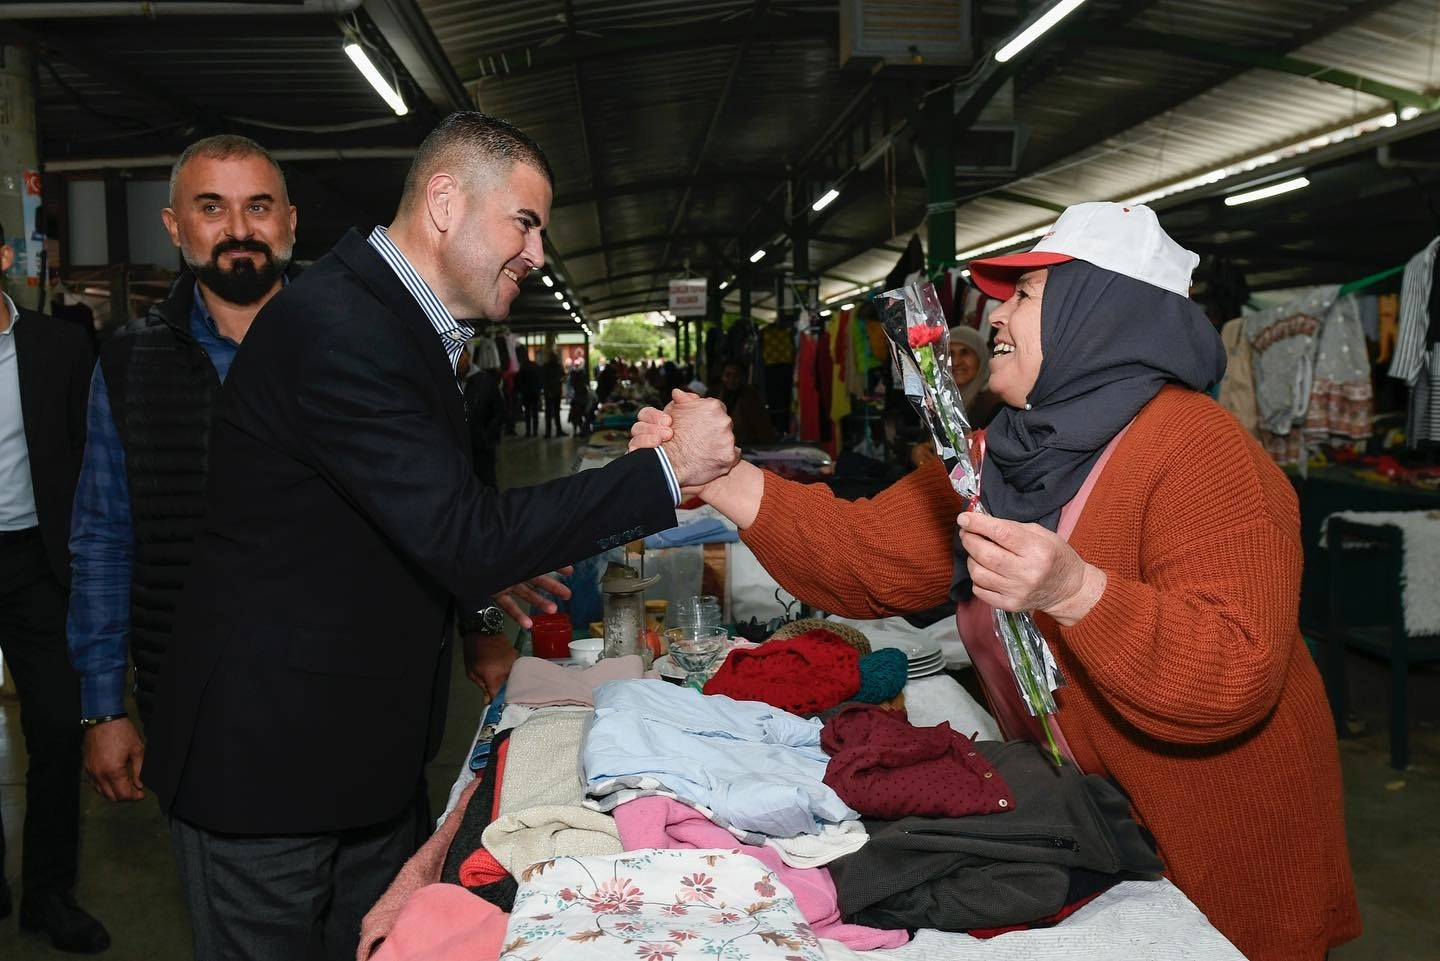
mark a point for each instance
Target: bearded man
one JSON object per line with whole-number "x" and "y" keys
{"x": 142, "y": 482}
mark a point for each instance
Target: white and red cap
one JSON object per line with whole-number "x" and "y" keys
{"x": 1125, "y": 238}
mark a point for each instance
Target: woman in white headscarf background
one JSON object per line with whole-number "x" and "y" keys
{"x": 1170, "y": 599}
{"x": 970, "y": 367}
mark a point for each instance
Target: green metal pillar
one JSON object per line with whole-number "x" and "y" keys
{"x": 937, "y": 140}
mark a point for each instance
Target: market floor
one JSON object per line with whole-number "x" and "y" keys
{"x": 128, "y": 880}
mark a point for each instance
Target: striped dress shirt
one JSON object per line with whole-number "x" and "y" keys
{"x": 453, "y": 334}
{"x": 1416, "y": 360}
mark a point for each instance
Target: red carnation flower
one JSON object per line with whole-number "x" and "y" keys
{"x": 924, "y": 336}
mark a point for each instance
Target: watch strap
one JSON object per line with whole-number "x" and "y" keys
{"x": 486, "y": 620}
{"x": 97, "y": 720}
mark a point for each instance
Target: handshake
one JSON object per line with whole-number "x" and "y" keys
{"x": 696, "y": 434}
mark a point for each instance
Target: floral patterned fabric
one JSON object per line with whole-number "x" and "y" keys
{"x": 656, "y": 906}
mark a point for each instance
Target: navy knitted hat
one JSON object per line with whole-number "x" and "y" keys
{"x": 882, "y": 675}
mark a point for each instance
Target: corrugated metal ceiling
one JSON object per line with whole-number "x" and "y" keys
{"x": 674, "y": 127}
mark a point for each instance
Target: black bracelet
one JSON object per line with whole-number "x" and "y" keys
{"x": 89, "y": 722}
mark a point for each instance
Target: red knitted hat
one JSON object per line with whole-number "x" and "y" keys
{"x": 806, "y": 674}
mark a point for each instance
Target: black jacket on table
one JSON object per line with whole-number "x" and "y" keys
{"x": 54, "y": 362}
{"x": 305, "y": 687}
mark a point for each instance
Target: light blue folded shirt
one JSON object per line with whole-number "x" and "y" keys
{"x": 757, "y": 767}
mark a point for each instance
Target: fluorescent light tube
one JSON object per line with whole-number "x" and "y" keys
{"x": 1270, "y": 190}
{"x": 1033, "y": 32}
{"x": 724, "y": 284}
{"x": 847, "y": 306}
{"x": 757, "y": 256}
{"x": 825, "y": 200}
{"x": 559, "y": 296}
{"x": 548, "y": 281}
{"x": 389, "y": 94}
{"x": 564, "y": 305}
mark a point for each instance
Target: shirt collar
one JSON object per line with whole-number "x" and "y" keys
{"x": 453, "y": 335}
{"x": 203, "y": 310}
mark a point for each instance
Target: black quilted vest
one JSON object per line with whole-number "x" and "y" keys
{"x": 162, "y": 390}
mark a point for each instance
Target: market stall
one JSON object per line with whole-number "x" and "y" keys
{"x": 572, "y": 857}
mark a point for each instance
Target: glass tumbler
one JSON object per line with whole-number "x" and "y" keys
{"x": 696, "y": 651}
{"x": 700, "y": 611}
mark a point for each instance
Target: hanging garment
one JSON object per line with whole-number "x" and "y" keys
{"x": 777, "y": 355}
{"x": 1387, "y": 310}
{"x": 945, "y": 296}
{"x": 487, "y": 354}
{"x": 1369, "y": 316}
{"x": 1237, "y": 388}
{"x": 777, "y": 344}
{"x": 1417, "y": 360}
{"x": 1342, "y": 398}
{"x": 812, "y": 385}
{"x": 839, "y": 408}
{"x": 1283, "y": 339}
{"x": 855, "y": 345}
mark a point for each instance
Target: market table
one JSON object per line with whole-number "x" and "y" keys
{"x": 1132, "y": 921}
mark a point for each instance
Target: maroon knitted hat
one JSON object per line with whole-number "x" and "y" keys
{"x": 807, "y": 674}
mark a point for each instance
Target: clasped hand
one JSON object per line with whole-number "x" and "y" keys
{"x": 1025, "y": 567}
{"x": 696, "y": 434}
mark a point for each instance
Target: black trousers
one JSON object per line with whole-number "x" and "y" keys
{"x": 32, "y": 639}
{"x": 290, "y": 898}
{"x": 532, "y": 414}
{"x": 552, "y": 415}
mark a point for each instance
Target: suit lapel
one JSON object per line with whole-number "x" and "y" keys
{"x": 32, "y": 361}
{"x": 377, "y": 275}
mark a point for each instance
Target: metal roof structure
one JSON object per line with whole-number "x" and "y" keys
{"x": 687, "y": 135}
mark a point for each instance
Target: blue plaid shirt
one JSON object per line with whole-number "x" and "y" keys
{"x": 102, "y": 539}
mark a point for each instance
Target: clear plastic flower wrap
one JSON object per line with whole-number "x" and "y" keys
{"x": 915, "y": 323}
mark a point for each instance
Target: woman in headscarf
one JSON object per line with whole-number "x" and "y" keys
{"x": 970, "y": 366}
{"x": 1158, "y": 547}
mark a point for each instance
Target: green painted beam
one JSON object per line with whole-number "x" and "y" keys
{"x": 1026, "y": 199}
{"x": 1260, "y": 59}
{"x": 624, "y": 43}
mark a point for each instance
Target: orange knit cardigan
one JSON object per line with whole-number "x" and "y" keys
{"x": 1188, "y": 683}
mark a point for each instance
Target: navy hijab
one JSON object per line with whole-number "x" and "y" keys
{"x": 1109, "y": 343}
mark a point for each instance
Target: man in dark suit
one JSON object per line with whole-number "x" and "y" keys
{"x": 44, "y": 378}
{"x": 346, "y": 530}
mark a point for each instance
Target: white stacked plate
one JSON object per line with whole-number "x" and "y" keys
{"x": 925, "y": 657}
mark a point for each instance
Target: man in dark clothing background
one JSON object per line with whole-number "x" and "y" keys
{"x": 44, "y": 369}
{"x": 142, "y": 485}
{"x": 485, "y": 412}
{"x": 528, "y": 385}
{"x": 552, "y": 375}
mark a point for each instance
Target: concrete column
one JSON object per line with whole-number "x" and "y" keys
{"x": 19, "y": 156}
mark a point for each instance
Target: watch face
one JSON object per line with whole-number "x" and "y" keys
{"x": 492, "y": 619}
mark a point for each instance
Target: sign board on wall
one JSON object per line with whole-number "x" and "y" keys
{"x": 687, "y": 297}
{"x": 31, "y": 227}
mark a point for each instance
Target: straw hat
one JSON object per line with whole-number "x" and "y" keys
{"x": 845, "y": 632}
